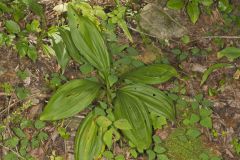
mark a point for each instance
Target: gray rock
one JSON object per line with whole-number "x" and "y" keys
{"x": 161, "y": 23}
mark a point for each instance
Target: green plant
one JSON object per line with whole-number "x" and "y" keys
{"x": 25, "y": 39}
{"x": 14, "y": 135}
{"x": 236, "y": 145}
{"x": 124, "y": 103}
{"x": 193, "y": 7}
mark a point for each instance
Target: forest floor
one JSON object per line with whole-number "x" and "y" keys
{"x": 35, "y": 83}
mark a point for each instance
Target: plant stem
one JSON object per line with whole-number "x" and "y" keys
{"x": 108, "y": 87}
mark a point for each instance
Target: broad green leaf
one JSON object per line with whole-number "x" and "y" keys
{"x": 155, "y": 100}
{"x": 61, "y": 53}
{"x": 193, "y": 11}
{"x": 175, "y": 4}
{"x": 122, "y": 124}
{"x": 71, "y": 49}
{"x": 88, "y": 140}
{"x": 12, "y": 27}
{"x": 153, "y": 74}
{"x": 134, "y": 111}
{"x": 231, "y": 53}
{"x": 89, "y": 41}
{"x": 70, "y": 99}
{"x": 212, "y": 69}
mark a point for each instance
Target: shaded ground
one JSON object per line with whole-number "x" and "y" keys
{"x": 226, "y": 116}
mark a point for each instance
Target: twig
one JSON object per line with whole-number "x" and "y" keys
{"x": 144, "y": 33}
{"x": 223, "y": 37}
{"x": 17, "y": 154}
{"x": 4, "y": 94}
{"x": 212, "y": 37}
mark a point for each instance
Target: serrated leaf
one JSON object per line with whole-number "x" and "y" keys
{"x": 39, "y": 124}
{"x": 11, "y": 142}
{"x": 108, "y": 154}
{"x": 162, "y": 157}
{"x": 151, "y": 155}
{"x": 152, "y": 74}
{"x": 159, "y": 149}
{"x": 231, "y": 53}
{"x": 175, "y": 4}
{"x": 32, "y": 53}
{"x": 194, "y": 119}
{"x": 122, "y": 124}
{"x": 10, "y": 156}
{"x": 204, "y": 112}
{"x": 212, "y": 69}
{"x": 193, "y": 133}
{"x": 89, "y": 41}
{"x": 206, "y": 122}
{"x": 18, "y": 132}
{"x": 71, "y": 49}
{"x": 103, "y": 121}
{"x": 12, "y": 27}
{"x": 193, "y": 11}
{"x": 88, "y": 140}
{"x": 155, "y": 100}
{"x": 130, "y": 108}
{"x": 70, "y": 99}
